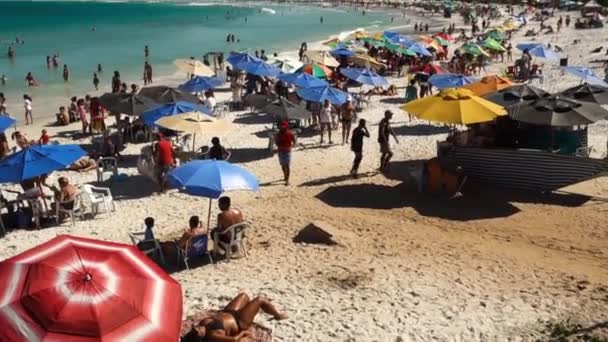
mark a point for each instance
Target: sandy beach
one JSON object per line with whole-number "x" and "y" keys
{"x": 493, "y": 265}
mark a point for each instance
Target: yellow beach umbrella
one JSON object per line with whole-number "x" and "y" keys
{"x": 455, "y": 106}
{"x": 193, "y": 67}
{"x": 367, "y": 61}
{"x": 488, "y": 84}
{"x": 360, "y": 34}
{"x": 195, "y": 123}
{"x": 321, "y": 57}
{"x": 331, "y": 42}
{"x": 377, "y": 36}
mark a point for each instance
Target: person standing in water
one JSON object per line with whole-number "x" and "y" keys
{"x": 147, "y": 73}
{"x": 321, "y": 20}
{"x": 27, "y": 103}
{"x": 116, "y": 82}
{"x": 66, "y": 73}
{"x": 96, "y": 81}
{"x": 99, "y": 69}
{"x": 29, "y": 80}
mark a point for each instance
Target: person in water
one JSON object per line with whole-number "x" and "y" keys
{"x": 66, "y": 73}
{"x": 232, "y": 323}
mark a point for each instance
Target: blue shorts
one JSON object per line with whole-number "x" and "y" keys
{"x": 284, "y": 158}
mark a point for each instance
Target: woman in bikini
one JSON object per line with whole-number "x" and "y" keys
{"x": 231, "y": 323}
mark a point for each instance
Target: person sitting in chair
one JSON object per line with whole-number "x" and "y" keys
{"x": 217, "y": 151}
{"x": 232, "y": 322}
{"x": 228, "y": 217}
{"x": 194, "y": 231}
{"x": 64, "y": 195}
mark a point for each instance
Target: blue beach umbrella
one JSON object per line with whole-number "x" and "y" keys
{"x": 236, "y": 59}
{"x": 211, "y": 178}
{"x": 320, "y": 94}
{"x": 169, "y": 109}
{"x": 342, "y": 52}
{"x": 538, "y": 50}
{"x": 586, "y": 74}
{"x": 37, "y": 160}
{"x": 402, "y": 40}
{"x": 302, "y": 80}
{"x": 450, "y": 81}
{"x": 259, "y": 68}
{"x": 364, "y": 76}
{"x": 201, "y": 83}
{"x": 390, "y": 34}
{"x": 6, "y": 122}
{"x": 419, "y": 49}
{"x": 526, "y": 46}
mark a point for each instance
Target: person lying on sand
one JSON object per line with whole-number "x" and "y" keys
{"x": 83, "y": 164}
{"x": 232, "y": 322}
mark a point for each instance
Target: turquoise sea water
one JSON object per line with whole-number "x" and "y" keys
{"x": 122, "y": 29}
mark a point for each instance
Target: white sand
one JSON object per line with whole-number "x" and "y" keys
{"x": 405, "y": 273}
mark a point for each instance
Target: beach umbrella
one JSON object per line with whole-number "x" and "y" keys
{"x": 375, "y": 42}
{"x": 195, "y": 123}
{"x": 585, "y": 74}
{"x": 316, "y": 70}
{"x": 473, "y": 49}
{"x": 492, "y": 44}
{"x": 126, "y": 103}
{"x": 488, "y": 84}
{"x": 193, "y": 67}
{"x": 6, "y": 122}
{"x": 432, "y": 69}
{"x": 441, "y": 41}
{"x": 77, "y": 289}
{"x": 588, "y": 93}
{"x": 151, "y": 116}
{"x": 287, "y": 110}
{"x": 450, "y": 80}
{"x": 302, "y": 80}
{"x": 342, "y": 52}
{"x": 366, "y": 61}
{"x": 37, "y": 160}
{"x": 543, "y": 52}
{"x": 445, "y": 36}
{"x": 321, "y": 57}
{"x": 286, "y": 64}
{"x": 420, "y": 49}
{"x": 320, "y": 94}
{"x": 526, "y": 46}
{"x": 164, "y": 94}
{"x": 236, "y": 59}
{"x": 514, "y": 95}
{"x": 495, "y": 34}
{"x": 364, "y": 76}
{"x": 259, "y": 68}
{"x": 402, "y": 40}
{"x": 558, "y": 110}
{"x": 454, "y": 106}
{"x": 202, "y": 83}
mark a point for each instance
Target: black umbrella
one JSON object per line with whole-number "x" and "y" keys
{"x": 126, "y": 103}
{"x": 516, "y": 95}
{"x": 588, "y": 93}
{"x": 287, "y": 110}
{"x": 164, "y": 94}
{"x": 558, "y": 110}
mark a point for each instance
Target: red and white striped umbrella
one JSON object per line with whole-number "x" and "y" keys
{"x": 83, "y": 290}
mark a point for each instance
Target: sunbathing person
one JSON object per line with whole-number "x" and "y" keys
{"x": 231, "y": 323}
{"x": 228, "y": 217}
{"x": 83, "y": 164}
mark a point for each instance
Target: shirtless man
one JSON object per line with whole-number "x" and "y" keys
{"x": 228, "y": 217}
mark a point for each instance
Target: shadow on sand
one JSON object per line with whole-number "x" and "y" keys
{"x": 248, "y": 154}
{"x": 420, "y": 130}
{"x": 253, "y": 119}
{"x": 134, "y": 187}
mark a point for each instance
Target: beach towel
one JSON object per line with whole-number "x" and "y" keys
{"x": 259, "y": 332}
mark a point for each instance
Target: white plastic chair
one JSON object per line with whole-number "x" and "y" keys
{"x": 99, "y": 197}
{"x": 147, "y": 246}
{"x": 221, "y": 109}
{"x": 237, "y": 239}
{"x": 106, "y": 164}
{"x": 75, "y": 211}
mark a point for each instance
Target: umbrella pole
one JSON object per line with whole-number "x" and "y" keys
{"x": 209, "y": 214}
{"x": 193, "y": 142}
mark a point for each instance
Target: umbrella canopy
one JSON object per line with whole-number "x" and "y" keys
{"x": 150, "y": 117}
{"x": 37, "y": 160}
{"x": 496, "y": 35}
{"x": 513, "y": 96}
{"x": 473, "y": 49}
{"x": 454, "y": 106}
{"x": 586, "y": 74}
{"x": 259, "y": 68}
{"x": 342, "y": 52}
{"x": 287, "y": 110}
{"x": 366, "y": 61}
{"x": 127, "y": 103}
{"x": 364, "y": 76}
{"x": 445, "y": 36}
{"x": 201, "y": 83}
{"x": 195, "y": 123}
{"x": 287, "y": 64}
{"x": 526, "y": 46}
{"x": 588, "y": 93}
{"x": 492, "y": 44}
{"x": 432, "y": 69}
{"x": 450, "y": 81}
{"x": 321, "y": 57}
{"x": 193, "y": 67}
{"x": 489, "y": 84}
{"x": 316, "y": 70}
{"x": 402, "y": 40}
{"x": 320, "y": 94}
{"x": 302, "y": 80}
{"x": 6, "y": 122}
{"x": 77, "y": 289}
{"x": 558, "y": 110}
{"x": 211, "y": 178}
{"x": 539, "y": 50}
{"x": 164, "y": 94}
{"x": 419, "y": 49}
{"x": 236, "y": 59}
{"x": 441, "y": 41}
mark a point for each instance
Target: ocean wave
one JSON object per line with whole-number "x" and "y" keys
{"x": 268, "y": 10}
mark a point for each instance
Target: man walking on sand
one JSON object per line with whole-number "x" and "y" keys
{"x": 384, "y": 132}
{"x": 285, "y": 141}
{"x": 356, "y": 146}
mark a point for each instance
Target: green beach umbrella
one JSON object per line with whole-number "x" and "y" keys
{"x": 473, "y": 49}
{"x": 316, "y": 70}
{"x": 496, "y": 35}
{"x": 441, "y": 41}
{"x": 491, "y": 44}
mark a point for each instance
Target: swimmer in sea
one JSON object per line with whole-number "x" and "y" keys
{"x": 66, "y": 73}
{"x": 99, "y": 69}
{"x": 146, "y": 51}
{"x": 321, "y": 20}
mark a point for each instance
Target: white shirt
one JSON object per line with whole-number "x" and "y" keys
{"x": 325, "y": 115}
{"x": 28, "y": 104}
{"x": 210, "y": 103}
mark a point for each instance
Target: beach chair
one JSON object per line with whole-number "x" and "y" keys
{"x": 72, "y": 208}
{"x": 195, "y": 247}
{"x": 221, "y": 110}
{"x": 148, "y": 247}
{"x": 99, "y": 197}
{"x": 237, "y": 240}
{"x": 106, "y": 164}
